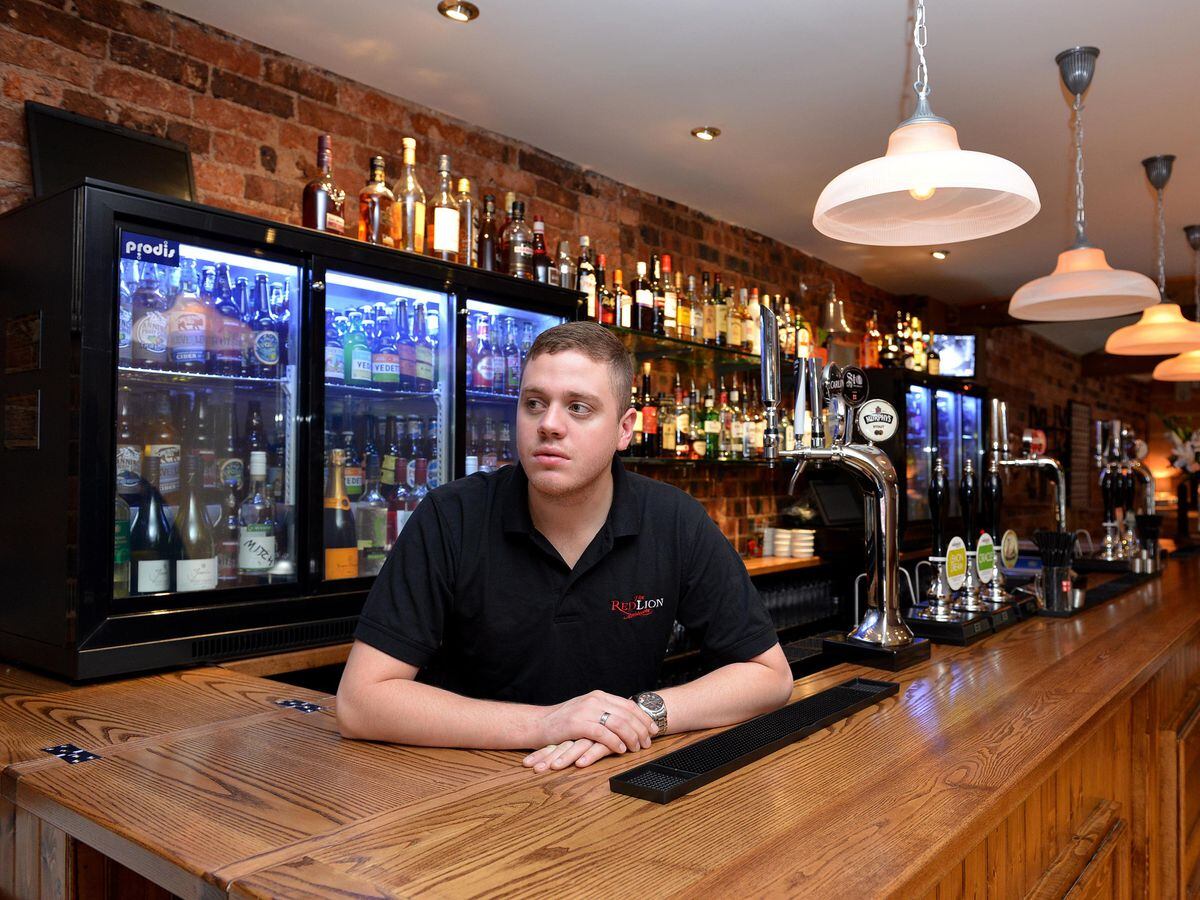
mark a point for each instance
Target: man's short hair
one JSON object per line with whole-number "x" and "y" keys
{"x": 598, "y": 344}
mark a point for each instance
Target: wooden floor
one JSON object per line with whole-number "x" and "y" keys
{"x": 1057, "y": 757}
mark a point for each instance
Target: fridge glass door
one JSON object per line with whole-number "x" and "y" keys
{"x": 949, "y": 444}
{"x": 205, "y": 420}
{"x": 387, "y": 405}
{"x": 917, "y": 443}
{"x": 498, "y": 340}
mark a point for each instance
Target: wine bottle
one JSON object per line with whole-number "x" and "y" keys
{"x": 341, "y": 540}
{"x": 193, "y": 546}
{"x": 150, "y": 536}
{"x": 442, "y": 239}
{"x": 256, "y": 523}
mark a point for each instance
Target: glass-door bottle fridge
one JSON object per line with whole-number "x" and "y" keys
{"x": 215, "y": 426}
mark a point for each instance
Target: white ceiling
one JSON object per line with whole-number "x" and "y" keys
{"x": 801, "y": 90}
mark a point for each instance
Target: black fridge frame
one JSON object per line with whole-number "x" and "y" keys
{"x": 90, "y": 640}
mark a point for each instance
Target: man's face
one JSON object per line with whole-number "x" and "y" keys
{"x": 568, "y": 422}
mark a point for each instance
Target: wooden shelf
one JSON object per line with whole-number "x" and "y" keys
{"x": 770, "y": 565}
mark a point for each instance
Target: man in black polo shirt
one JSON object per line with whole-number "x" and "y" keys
{"x": 531, "y": 607}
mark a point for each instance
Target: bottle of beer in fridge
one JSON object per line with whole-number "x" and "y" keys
{"x": 225, "y": 535}
{"x": 341, "y": 538}
{"x": 194, "y": 550}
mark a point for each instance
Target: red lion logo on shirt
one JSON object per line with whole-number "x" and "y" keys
{"x": 638, "y": 606}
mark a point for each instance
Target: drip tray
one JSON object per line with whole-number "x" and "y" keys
{"x": 682, "y": 771}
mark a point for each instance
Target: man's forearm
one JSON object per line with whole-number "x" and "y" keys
{"x": 409, "y": 712}
{"x": 725, "y": 696}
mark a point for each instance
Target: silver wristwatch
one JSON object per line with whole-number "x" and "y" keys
{"x": 652, "y": 705}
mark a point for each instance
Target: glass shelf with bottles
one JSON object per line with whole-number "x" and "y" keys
{"x": 205, "y": 340}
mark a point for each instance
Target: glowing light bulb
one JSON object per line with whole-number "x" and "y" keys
{"x": 922, "y": 192}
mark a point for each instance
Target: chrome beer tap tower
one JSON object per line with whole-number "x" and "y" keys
{"x": 882, "y": 638}
{"x": 1130, "y": 537}
{"x": 1028, "y": 460}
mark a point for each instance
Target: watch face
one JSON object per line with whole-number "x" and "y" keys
{"x": 651, "y": 703}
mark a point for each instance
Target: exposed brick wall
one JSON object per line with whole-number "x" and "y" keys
{"x": 251, "y": 117}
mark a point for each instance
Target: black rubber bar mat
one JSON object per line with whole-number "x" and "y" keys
{"x": 682, "y": 771}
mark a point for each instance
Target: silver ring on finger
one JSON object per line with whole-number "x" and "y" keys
{"x": 604, "y": 718}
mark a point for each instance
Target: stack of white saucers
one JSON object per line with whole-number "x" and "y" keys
{"x": 803, "y": 543}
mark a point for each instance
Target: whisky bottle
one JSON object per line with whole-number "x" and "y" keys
{"x": 485, "y": 253}
{"x": 709, "y": 327}
{"x": 468, "y": 227}
{"x": 193, "y": 548}
{"x": 733, "y": 330}
{"x": 667, "y": 423}
{"x": 670, "y": 299}
{"x": 519, "y": 243}
{"x": 585, "y": 278}
{"x": 444, "y": 222}
{"x": 323, "y": 205}
{"x": 341, "y": 539}
{"x": 408, "y": 223}
{"x": 375, "y": 207}
{"x": 683, "y": 312}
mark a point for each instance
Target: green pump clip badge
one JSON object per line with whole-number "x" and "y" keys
{"x": 985, "y": 558}
{"x": 956, "y": 563}
{"x": 1010, "y": 549}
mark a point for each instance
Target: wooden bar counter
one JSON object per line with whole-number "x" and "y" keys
{"x": 1060, "y": 757}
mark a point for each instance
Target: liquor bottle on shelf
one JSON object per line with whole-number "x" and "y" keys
{"x": 356, "y": 351}
{"x": 480, "y": 368}
{"x": 803, "y": 336}
{"x": 683, "y": 309}
{"x": 385, "y": 354}
{"x": 323, "y": 205}
{"x": 504, "y": 448}
{"x": 720, "y": 311}
{"x": 733, "y": 320}
{"x": 187, "y": 324}
{"x": 585, "y": 278}
{"x": 416, "y": 446}
{"x": 121, "y": 520}
{"x": 696, "y": 433}
{"x": 424, "y": 361}
{"x": 691, "y": 314}
{"x": 606, "y": 301}
{"x": 162, "y": 442}
{"x": 541, "y": 259}
{"x": 934, "y": 360}
{"x": 408, "y": 219}
{"x": 397, "y": 507}
{"x": 519, "y": 244}
{"x": 420, "y": 486}
{"x": 254, "y": 435}
{"x": 637, "y": 443}
{"x": 225, "y": 536}
{"x": 503, "y": 234}
{"x": 264, "y": 340}
{"x": 444, "y": 222}
{"x": 753, "y": 337}
{"x": 868, "y": 355}
{"x": 565, "y": 266}
{"x": 341, "y": 537}
{"x": 150, "y": 537}
{"x": 526, "y": 341}
{"x": 682, "y": 423}
{"x": 666, "y": 426}
{"x": 650, "y": 416}
{"x": 670, "y": 298}
{"x": 485, "y": 250}
{"x": 643, "y": 298}
{"x": 712, "y": 426}
{"x": 468, "y": 227}
{"x": 256, "y": 523}
{"x": 709, "y": 312}
{"x": 371, "y": 516}
{"x": 658, "y": 326}
{"x": 511, "y": 355}
{"x": 725, "y": 418}
{"x": 737, "y": 424}
{"x": 918, "y": 346}
{"x": 193, "y": 548}
{"x": 149, "y": 312}
{"x": 623, "y": 300}
{"x": 129, "y": 444}
{"x": 376, "y": 204}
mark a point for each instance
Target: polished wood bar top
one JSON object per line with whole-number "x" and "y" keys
{"x": 270, "y": 801}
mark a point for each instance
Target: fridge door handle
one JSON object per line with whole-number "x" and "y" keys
{"x": 317, "y": 285}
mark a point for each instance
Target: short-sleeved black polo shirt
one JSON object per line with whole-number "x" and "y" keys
{"x": 477, "y": 599}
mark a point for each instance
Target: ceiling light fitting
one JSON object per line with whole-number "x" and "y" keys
{"x": 706, "y": 133}
{"x": 1162, "y": 327}
{"x": 458, "y": 11}
{"x": 1083, "y": 285}
{"x": 939, "y": 254}
{"x": 1185, "y": 366}
{"x": 925, "y": 189}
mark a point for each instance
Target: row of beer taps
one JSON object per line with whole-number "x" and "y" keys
{"x": 1119, "y": 455}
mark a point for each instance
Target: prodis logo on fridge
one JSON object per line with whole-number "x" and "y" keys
{"x": 149, "y": 249}
{"x": 637, "y": 607}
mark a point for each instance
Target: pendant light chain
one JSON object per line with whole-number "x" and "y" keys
{"x": 1080, "y": 237}
{"x": 1196, "y": 282}
{"x": 920, "y": 37}
{"x": 1162, "y": 248}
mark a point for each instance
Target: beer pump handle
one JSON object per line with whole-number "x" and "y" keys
{"x": 993, "y": 495}
{"x": 937, "y": 507}
{"x": 1107, "y": 493}
{"x": 1127, "y": 494}
{"x": 967, "y": 498}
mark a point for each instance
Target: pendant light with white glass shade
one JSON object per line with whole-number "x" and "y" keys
{"x": 1162, "y": 328}
{"x": 1186, "y": 366}
{"x": 925, "y": 189}
{"x": 1083, "y": 285}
